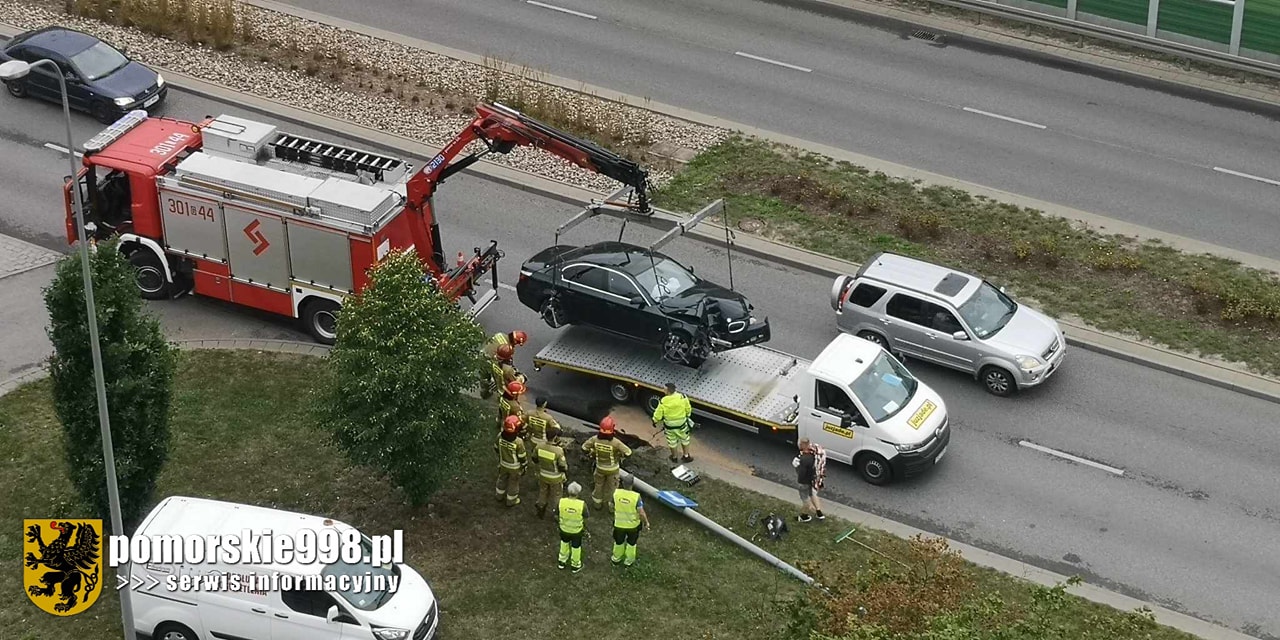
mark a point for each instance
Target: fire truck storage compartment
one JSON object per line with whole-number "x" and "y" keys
{"x": 232, "y": 137}
{"x": 319, "y": 256}
{"x": 257, "y": 246}
{"x": 193, "y": 224}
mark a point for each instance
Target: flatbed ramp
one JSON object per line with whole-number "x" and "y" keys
{"x": 752, "y": 387}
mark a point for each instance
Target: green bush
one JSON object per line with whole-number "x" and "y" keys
{"x": 138, "y": 365}
{"x": 403, "y": 359}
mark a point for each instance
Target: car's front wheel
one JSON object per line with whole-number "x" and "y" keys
{"x": 682, "y": 348}
{"x": 17, "y": 88}
{"x": 998, "y": 382}
{"x": 553, "y": 313}
{"x": 103, "y": 113}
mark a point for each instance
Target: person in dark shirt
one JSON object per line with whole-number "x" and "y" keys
{"x": 806, "y": 477}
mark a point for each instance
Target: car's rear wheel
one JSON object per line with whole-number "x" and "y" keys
{"x": 17, "y": 88}
{"x": 553, "y": 313}
{"x": 997, "y": 381}
{"x": 872, "y": 336}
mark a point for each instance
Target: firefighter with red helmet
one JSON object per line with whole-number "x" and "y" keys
{"x": 515, "y": 339}
{"x": 509, "y": 403}
{"x": 607, "y": 452}
{"x": 506, "y": 365}
{"x": 512, "y": 461}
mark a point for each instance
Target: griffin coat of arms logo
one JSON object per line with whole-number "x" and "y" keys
{"x": 61, "y": 576}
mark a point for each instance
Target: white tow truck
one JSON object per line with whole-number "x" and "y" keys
{"x": 855, "y": 399}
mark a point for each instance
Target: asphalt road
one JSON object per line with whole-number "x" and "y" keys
{"x": 1191, "y": 524}
{"x": 1100, "y": 145}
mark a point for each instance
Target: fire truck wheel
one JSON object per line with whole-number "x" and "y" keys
{"x": 321, "y": 319}
{"x": 149, "y": 275}
{"x": 17, "y": 88}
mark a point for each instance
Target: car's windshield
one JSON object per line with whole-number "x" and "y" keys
{"x": 665, "y": 278}
{"x": 885, "y": 387}
{"x": 988, "y": 310}
{"x": 360, "y": 594}
{"x": 98, "y": 61}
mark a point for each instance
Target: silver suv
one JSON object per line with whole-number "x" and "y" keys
{"x": 925, "y": 311}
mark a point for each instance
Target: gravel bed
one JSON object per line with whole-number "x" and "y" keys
{"x": 369, "y": 108}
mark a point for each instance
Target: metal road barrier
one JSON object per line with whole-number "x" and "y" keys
{"x": 1239, "y": 34}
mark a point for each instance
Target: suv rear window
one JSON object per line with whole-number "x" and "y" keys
{"x": 865, "y": 295}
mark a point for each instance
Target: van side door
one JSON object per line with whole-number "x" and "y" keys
{"x": 300, "y": 615}
{"x": 834, "y": 421}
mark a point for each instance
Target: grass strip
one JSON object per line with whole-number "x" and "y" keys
{"x": 248, "y": 438}
{"x": 1200, "y": 304}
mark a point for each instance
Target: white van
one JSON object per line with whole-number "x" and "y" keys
{"x": 409, "y": 612}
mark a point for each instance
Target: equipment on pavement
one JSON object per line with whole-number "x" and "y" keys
{"x": 686, "y": 475}
{"x": 237, "y": 210}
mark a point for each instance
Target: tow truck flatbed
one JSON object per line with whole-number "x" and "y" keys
{"x": 753, "y": 388}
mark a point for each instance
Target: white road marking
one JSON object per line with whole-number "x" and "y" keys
{"x": 1245, "y": 175}
{"x": 1060, "y": 454}
{"x": 508, "y": 287}
{"x": 50, "y": 145}
{"x": 1005, "y": 118}
{"x": 561, "y": 9}
{"x": 771, "y": 61}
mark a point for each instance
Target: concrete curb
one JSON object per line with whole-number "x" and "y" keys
{"x": 978, "y": 556}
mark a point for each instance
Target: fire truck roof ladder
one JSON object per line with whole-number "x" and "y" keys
{"x": 338, "y": 158}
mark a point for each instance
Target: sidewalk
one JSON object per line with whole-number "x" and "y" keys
{"x": 25, "y": 269}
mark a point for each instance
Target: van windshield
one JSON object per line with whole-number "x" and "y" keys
{"x": 362, "y": 594}
{"x": 987, "y": 310}
{"x": 885, "y": 387}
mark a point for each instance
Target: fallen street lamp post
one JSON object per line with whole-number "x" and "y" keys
{"x": 13, "y": 71}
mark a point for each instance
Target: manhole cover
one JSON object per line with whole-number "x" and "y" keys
{"x": 750, "y": 225}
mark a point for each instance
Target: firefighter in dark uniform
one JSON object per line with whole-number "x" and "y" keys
{"x": 607, "y": 452}
{"x": 512, "y": 461}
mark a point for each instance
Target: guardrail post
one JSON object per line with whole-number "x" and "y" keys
{"x": 1153, "y": 16}
{"x": 1071, "y": 9}
{"x": 1237, "y": 24}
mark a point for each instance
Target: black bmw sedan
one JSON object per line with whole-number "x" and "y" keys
{"x": 628, "y": 290}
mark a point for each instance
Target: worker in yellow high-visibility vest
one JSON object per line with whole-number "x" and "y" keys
{"x": 628, "y": 516}
{"x": 673, "y": 415}
{"x": 571, "y": 515}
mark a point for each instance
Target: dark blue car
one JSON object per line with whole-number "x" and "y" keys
{"x": 100, "y": 79}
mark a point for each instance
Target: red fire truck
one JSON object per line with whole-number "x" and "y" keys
{"x": 238, "y": 210}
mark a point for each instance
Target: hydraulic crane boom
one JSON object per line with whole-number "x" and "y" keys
{"x": 502, "y": 129}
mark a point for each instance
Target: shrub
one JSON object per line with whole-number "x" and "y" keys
{"x": 920, "y": 226}
{"x": 1107, "y": 257}
{"x": 138, "y": 366}
{"x": 404, "y": 356}
{"x": 1047, "y": 250}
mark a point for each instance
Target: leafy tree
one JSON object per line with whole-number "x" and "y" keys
{"x": 138, "y": 366}
{"x": 404, "y": 357}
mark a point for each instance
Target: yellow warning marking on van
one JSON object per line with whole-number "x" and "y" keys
{"x": 838, "y": 430}
{"x": 922, "y": 414}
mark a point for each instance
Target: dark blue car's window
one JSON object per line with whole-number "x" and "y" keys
{"x": 98, "y": 61}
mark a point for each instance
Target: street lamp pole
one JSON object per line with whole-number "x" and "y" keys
{"x": 11, "y": 72}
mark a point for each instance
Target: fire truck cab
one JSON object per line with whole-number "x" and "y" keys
{"x": 240, "y": 211}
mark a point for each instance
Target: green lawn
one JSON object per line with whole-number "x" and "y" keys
{"x": 247, "y": 438}
{"x": 1198, "y": 304}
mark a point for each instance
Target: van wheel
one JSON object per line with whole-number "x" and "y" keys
{"x": 174, "y": 631}
{"x": 149, "y": 274}
{"x": 873, "y": 468}
{"x": 620, "y": 392}
{"x": 17, "y": 88}
{"x": 553, "y": 313}
{"x": 997, "y": 381}
{"x": 320, "y": 317}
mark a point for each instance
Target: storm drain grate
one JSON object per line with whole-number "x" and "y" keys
{"x": 929, "y": 36}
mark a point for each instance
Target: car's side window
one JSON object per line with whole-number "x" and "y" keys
{"x": 620, "y": 285}
{"x": 588, "y": 277}
{"x": 905, "y": 307}
{"x": 834, "y": 400}
{"x": 939, "y": 318}
{"x": 865, "y": 295}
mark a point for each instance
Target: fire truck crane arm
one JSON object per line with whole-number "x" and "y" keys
{"x": 502, "y": 129}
